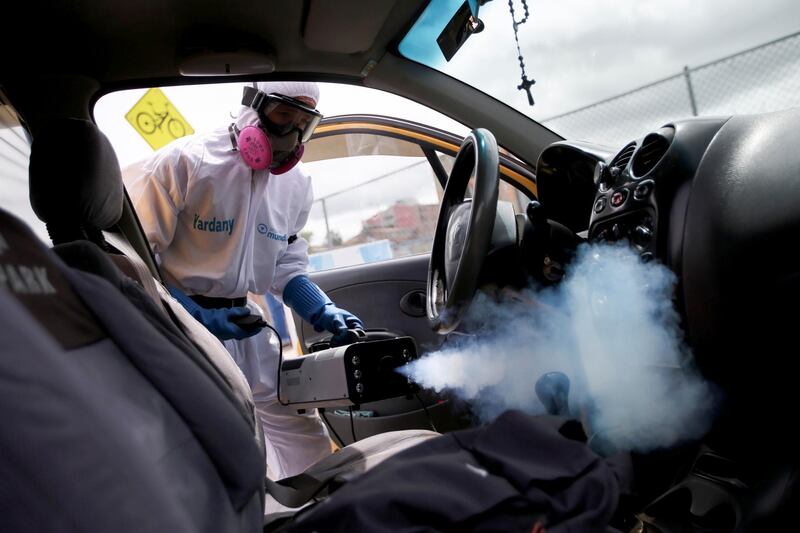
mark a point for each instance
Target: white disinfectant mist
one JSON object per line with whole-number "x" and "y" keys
{"x": 610, "y": 327}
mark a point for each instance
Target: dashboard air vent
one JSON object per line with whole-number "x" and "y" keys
{"x": 653, "y": 149}
{"x": 621, "y": 159}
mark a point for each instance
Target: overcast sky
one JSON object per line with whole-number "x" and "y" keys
{"x": 582, "y": 51}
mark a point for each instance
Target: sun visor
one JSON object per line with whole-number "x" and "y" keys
{"x": 345, "y": 26}
{"x": 227, "y": 63}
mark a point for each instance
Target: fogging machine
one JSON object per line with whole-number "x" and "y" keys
{"x": 345, "y": 376}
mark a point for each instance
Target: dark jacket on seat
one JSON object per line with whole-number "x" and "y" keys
{"x": 520, "y": 473}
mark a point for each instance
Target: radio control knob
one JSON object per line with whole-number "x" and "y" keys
{"x": 642, "y": 235}
{"x": 601, "y": 176}
{"x": 643, "y": 190}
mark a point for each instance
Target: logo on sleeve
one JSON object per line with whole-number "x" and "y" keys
{"x": 213, "y": 225}
{"x": 263, "y": 229}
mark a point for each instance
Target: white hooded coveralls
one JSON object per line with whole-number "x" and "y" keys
{"x": 221, "y": 229}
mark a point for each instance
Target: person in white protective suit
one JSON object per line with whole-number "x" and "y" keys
{"x": 223, "y": 214}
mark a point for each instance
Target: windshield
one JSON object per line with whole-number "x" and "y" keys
{"x": 607, "y": 71}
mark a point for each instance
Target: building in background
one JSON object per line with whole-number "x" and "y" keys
{"x": 406, "y": 225}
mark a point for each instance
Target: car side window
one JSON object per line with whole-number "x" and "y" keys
{"x": 506, "y": 192}
{"x": 376, "y": 197}
{"x": 15, "y": 151}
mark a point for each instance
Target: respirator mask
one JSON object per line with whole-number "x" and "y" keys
{"x": 285, "y": 124}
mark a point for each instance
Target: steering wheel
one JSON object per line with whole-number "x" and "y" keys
{"x": 463, "y": 231}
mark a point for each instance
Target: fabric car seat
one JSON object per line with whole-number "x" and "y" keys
{"x": 76, "y": 189}
{"x": 107, "y": 424}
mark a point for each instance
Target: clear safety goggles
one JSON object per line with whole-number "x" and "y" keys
{"x": 281, "y": 115}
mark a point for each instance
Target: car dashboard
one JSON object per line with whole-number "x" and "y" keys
{"x": 717, "y": 200}
{"x": 637, "y": 193}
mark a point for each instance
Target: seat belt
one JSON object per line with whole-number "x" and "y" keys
{"x": 143, "y": 274}
{"x": 343, "y": 466}
{"x": 298, "y": 490}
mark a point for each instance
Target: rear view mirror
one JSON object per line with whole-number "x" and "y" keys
{"x": 463, "y": 24}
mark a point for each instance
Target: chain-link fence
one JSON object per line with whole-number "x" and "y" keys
{"x": 761, "y": 79}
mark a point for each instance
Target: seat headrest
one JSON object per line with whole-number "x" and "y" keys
{"x": 75, "y": 179}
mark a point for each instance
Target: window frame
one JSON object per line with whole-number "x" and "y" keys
{"x": 433, "y": 142}
{"x": 430, "y": 140}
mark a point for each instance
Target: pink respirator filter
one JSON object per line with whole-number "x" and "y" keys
{"x": 255, "y": 148}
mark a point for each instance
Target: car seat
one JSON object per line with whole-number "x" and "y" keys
{"x": 108, "y": 425}
{"x": 76, "y": 190}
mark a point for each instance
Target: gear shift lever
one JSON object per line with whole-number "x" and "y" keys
{"x": 552, "y": 389}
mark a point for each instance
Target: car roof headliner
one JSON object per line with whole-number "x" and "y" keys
{"x": 119, "y": 43}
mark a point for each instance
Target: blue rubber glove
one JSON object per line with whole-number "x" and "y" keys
{"x": 314, "y": 306}
{"x": 217, "y": 321}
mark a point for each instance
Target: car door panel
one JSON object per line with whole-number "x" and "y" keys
{"x": 375, "y": 293}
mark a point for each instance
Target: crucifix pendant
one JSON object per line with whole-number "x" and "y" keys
{"x": 526, "y": 86}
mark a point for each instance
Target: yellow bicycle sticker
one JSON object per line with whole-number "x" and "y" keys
{"x": 157, "y": 120}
